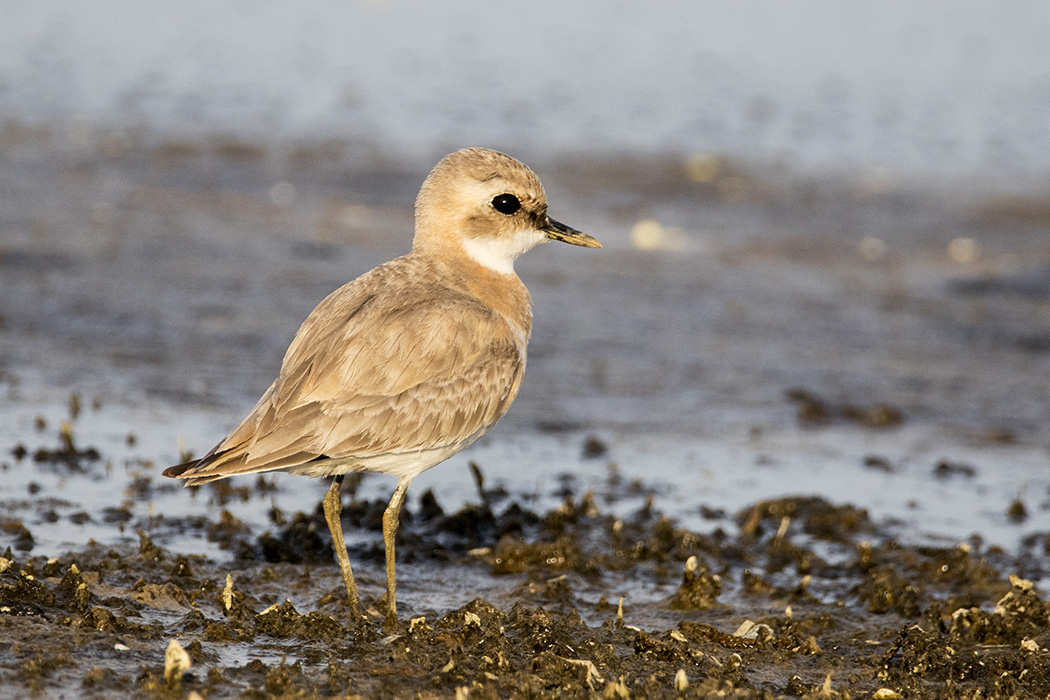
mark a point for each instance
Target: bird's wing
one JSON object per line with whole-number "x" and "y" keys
{"x": 368, "y": 374}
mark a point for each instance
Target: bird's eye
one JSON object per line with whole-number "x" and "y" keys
{"x": 506, "y": 203}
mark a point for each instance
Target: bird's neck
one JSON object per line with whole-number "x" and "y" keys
{"x": 504, "y": 293}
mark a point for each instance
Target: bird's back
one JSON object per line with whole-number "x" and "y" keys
{"x": 393, "y": 372}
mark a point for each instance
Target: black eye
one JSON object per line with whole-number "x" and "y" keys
{"x": 506, "y": 203}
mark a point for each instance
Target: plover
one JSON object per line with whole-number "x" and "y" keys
{"x": 408, "y": 364}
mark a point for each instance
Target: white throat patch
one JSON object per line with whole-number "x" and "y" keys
{"x": 498, "y": 254}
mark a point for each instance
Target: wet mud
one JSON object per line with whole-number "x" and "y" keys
{"x": 806, "y": 449}
{"x": 793, "y": 597}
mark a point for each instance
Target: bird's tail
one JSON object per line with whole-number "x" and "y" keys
{"x": 217, "y": 464}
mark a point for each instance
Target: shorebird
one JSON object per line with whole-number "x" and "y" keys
{"x": 408, "y": 364}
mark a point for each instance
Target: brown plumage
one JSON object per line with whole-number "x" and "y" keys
{"x": 408, "y": 364}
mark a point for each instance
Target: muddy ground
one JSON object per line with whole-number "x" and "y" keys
{"x": 892, "y": 341}
{"x": 800, "y": 597}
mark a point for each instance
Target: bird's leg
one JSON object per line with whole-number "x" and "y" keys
{"x": 391, "y": 519}
{"x": 333, "y": 508}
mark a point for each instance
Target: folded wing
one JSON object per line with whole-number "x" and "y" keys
{"x": 370, "y": 375}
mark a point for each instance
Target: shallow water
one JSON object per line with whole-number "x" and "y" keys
{"x": 701, "y": 483}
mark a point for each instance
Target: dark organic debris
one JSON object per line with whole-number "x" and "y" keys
{"x": 755, "y": 614}
{"x": 699, "y": 590}
{"x": 594, "y": 447}
{"x": 1017, "y": 512}
{"x": 67, "y": 454}
{"x": 878, "y": 463}
{"x": 814, "y": 410}
{"x": 947, "y": 470}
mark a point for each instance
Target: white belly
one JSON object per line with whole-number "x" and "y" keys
{"x": 394, "y": 463}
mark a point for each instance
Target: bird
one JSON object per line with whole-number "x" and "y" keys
{"x": 408, "y": 364}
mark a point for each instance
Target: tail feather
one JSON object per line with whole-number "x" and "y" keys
{"x": 179, "y": 469}
{"x": 210, "y": 467}
{"x": 233, "y": 462}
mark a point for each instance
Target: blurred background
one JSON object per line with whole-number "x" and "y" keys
{"x": 827, "y": 230}
{"x": 932, "y": 89}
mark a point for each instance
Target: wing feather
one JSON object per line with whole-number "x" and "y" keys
{"x": 371, "y": 373}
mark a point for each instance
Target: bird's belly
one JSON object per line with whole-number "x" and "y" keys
{"x": 394, "y": 463}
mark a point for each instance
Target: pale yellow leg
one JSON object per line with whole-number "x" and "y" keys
{"x": 391, "y": 519}
{"x": 333, "y": 508}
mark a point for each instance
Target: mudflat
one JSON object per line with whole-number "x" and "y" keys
{"x": 798, "y": 427}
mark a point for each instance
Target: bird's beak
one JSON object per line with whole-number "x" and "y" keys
{"x": 560, "y": 232}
